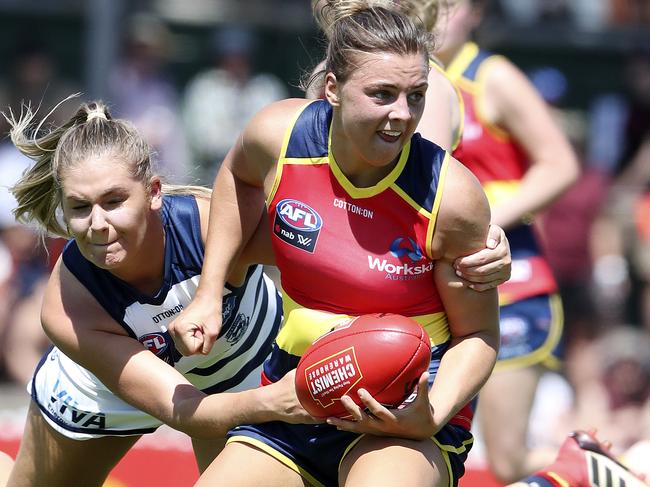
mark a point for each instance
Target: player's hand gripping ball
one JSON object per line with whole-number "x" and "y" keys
{"x": 383, "y": 353}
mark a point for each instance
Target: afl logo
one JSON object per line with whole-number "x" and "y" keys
{"x": 299, "y": 216}
{"x": 297, "y": 224}
{"x": 156, "y": 343}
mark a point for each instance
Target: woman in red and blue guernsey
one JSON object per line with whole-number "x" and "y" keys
{"x": 524, "y": 162}
{"x": 365, "y": 217}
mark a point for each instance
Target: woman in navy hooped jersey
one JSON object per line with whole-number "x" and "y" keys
{"x": 133, "y": 263}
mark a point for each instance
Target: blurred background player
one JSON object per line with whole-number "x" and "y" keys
{"x": 511, "y": 143}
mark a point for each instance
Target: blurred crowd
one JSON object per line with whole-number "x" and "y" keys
{"x": 585, "y": 14}
{"x": 597, "y": 236}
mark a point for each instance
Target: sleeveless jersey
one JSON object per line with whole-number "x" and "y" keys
{"x": 499, "y": 164}
{"x": 251, "y": 320}
{"x": 343, "y": 250}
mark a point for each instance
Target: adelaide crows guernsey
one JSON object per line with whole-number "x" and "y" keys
{"x": 499, "y": 164}
{"x": 345, "y": 251}
{"x": 69, "y": 394}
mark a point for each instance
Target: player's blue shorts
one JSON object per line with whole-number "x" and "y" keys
{"x": 316, "y": 451}
{"x": 531, "y": 333}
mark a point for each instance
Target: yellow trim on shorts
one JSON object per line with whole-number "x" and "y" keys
{"x": 446, "y": 450}
{"x": 283, "y": 151}
{"x": 282, "y": 458}
{"x": 349, "y": 447}
{"x": 543, "y": 355}
{"x": 558, "y": 479}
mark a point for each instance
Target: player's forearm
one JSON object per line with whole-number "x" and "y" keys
{"x": 212, "y": 416}
{"x": 464, "y": 369}
{"x": 542, "y": 185}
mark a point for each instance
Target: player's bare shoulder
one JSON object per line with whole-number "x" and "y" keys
{"x": 265, "y": 132}
{"x": 464, "y": 216}
{"x": 262, "y": 139}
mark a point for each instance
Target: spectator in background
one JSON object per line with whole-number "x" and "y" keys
{"x": 611, "y": 378}
{"x": 141, "y": 91}
{"x": 622, "y": 242}
{"x": 566, "y": 226}
{"x": 220, "y": 100}
{"x": 33, "y": 79}
{"x": 630, "y": 11}
{"x": 24, "y": 273}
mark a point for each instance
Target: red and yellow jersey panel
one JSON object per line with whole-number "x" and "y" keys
{"x": 343, "y": 250}
{"x": 499, "y": 164}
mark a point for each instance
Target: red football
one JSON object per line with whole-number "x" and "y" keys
{"x": 383, "y": 353}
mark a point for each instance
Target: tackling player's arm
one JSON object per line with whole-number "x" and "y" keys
{"x": 84, "y": 331}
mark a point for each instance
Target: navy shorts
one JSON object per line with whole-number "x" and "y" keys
{"x": 316, "y": 451}
{"x": 531, "y": 333}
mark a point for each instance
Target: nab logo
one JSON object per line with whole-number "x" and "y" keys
{"x": 154, "y": 342}
{"x": 299, "y": 216}
{"x": 297, "y": 224}
{"x": 406, "y": 246}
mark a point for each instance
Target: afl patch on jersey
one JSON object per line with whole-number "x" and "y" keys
{"x": 297, "y": 224}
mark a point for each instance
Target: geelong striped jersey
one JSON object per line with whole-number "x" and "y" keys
{"x": 251, "y": 318}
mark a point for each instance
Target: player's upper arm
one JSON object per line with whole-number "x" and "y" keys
{"x": 461, "y": 229}
{"x": 254, "y": 156}
{"x": 70, "y": 313}
{"x": 512, "y": 103}
{"x": 464, "y": 215}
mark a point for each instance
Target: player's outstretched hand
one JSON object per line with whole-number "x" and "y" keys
{"x": 195, "y": 330}
{"x": 487, "y": 268}
{"x": 414, "y": 421}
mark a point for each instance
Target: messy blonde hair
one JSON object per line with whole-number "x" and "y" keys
{"x": 91, "y": 131}
{"x": 422, "y": 11}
